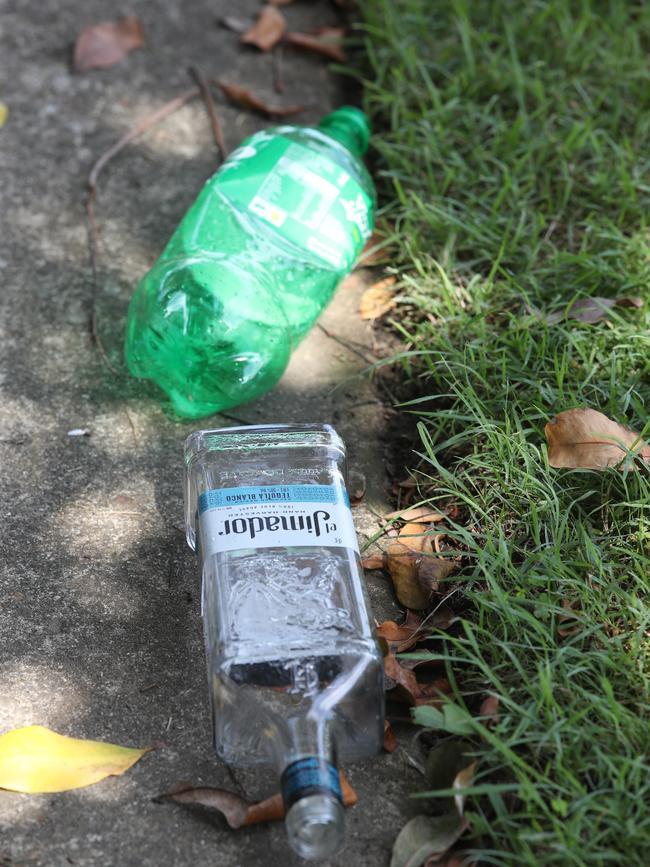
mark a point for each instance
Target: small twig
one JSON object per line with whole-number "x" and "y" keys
{"x": 91, "y": 194}
{"x": 276, "y": 62}
{"x": 136, "y": 131}
{"x": 347, "y": 345}
{"x": 132, "y": 426}
{"x": 217, "y": 132}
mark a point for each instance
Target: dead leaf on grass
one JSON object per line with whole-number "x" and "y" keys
{"x": 585, "y": 438}
{"x": 402, "y": 563}
{"x": 390, "y": 741}
{"x": 243, "y": 97}
{"x": 268, "y": 29}
{"x": 433, "y": 570}
{"x": 237, "y": 811}
{"x": 374, "y": 250}
{"x": 327, "y": 41}
{"x": 490, "y": 711}
{"x": 102, "y": 45}
{"x": 590, "y": 310}
{"x": 378, "y": 299}
{"x": 409, "y": 689}
{"x": 449, "y": 766}
{"x": 426, "y": 837}
{"x": 570, "y": 623}
{"x": 400, "y": 636}
{"x": 417, "y": 515}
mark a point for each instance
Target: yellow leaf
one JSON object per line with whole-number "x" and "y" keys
{"x": 378, "y": 299}
{"x": 4, "y": 111}
{"x": 35, "y": 760}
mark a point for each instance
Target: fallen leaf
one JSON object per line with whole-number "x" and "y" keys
{"x": 237, "y": 811}
{"x": 374, "y": 561}
{"x": 426, "y": 837}
{"x": 585, "y": 438}
{"x": 374, "y": 250}
{"x": 408, "y": 689}
{"x": 489, "y": 711}
{"x": 242, "y": 96}
{"x": 590, "y": 310}
{"x": 463, "y": 780}
{"x": 378, "y": 299}
{"x": 403, "y": 563}
{"x": 36, "y": 760}
{"x": 356, "y": 485}
{"x": 449, "y": 766}
{"x": 572, "y": 625}
{"x": 417, "y": 515}
{"x": 413, "y": 535}
{"x": 4, "y": 114}
{"x": 433, "y": 570}
{"x": 450, "y": 719}
{"x": 105, "y": 44}
{"x": 400, "y": 636}
{"x": 390, "y": 741}
{"x": 267, "y": 31}
{"x": 237, "y": 25}
{"x": 327, "y": 41}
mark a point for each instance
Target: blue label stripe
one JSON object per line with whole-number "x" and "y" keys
{"x": 309, "y": 776}
{"x": 220, "y": 498}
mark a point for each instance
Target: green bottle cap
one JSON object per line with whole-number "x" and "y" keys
{"x": 352, "y": 123}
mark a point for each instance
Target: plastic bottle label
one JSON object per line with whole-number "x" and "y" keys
{"x": 306, "y": 196}
{"x": 275, "y": 516}
{"x": 309, "y": 776}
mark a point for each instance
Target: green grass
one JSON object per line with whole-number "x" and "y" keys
{"x": 512, "y": 157}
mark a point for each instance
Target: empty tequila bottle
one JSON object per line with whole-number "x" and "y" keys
{"x": 295, "y": 673}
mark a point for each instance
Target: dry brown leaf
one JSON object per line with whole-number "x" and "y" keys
{"x": 417, "y": 515}
{"x": 585, "y": 438}
{"x": 400, "y": 636}
{"x": 237, "y": 811}
{"x": 402, "y": 564}
{"x": 243, "y": 97}
{"x": 462, "y": 780}
{"x": 413, "y": 535}
{"x": 490, "y": 711}
{"x": 378, "y": 299}
{"x": 590, "y": 310}
{"x": 374, "y": 561}
{"x": 373, "y": 250}
{"x": 433, "y": 570}
{"x": 327, "y": 41}
{"x": 267, "y": 31}
{"x": 571, "y": 625}
{"x": 105, "y": 44}
{"x": 406, "y": 686}
{"x": 390, "y": 741}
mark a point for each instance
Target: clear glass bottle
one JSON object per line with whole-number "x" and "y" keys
{"x": 295, "y": 674}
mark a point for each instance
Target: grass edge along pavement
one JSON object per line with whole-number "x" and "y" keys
{"x": 511, "y": 155}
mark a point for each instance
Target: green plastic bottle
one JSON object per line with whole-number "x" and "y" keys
{"x": 253, "y": 263}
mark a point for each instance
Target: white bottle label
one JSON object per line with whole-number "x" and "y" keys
{"x": 276, "y": 516}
